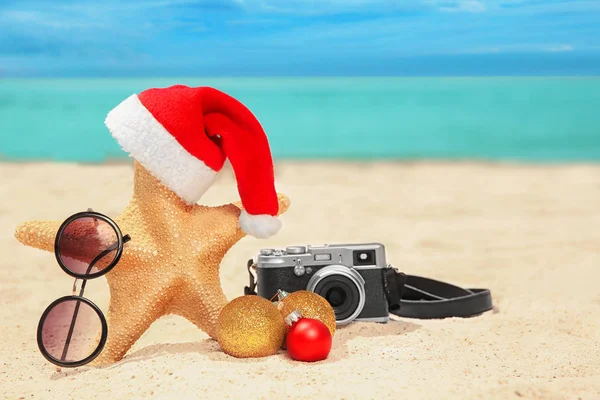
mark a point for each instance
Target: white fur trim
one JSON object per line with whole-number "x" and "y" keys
{"x": 260, "y": 226}
{"x": 146, "y": 140}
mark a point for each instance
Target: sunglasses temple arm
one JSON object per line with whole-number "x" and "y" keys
{"x": 71, "y": 328}
{"x": 76, "y": 311}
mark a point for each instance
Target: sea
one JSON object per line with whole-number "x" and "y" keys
{"x": 529, "y": 119}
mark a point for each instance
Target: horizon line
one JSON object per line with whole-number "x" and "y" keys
{"x": 491, "y": 161}
{"x": 58, "y": 77}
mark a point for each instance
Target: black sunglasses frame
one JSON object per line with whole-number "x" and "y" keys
{"x": 121, "y": 240}
{"x": 89, "y": 358}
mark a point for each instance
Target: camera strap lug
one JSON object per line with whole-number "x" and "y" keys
{"x": 252, "y": 288}
{"x": 394, "y": 286}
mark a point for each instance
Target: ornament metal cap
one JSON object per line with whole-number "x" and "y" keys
{"x": 292, "y": 317}
{"x": 281, "y": 294}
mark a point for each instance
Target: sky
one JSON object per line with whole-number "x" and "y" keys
{"x": 84, "y": 38}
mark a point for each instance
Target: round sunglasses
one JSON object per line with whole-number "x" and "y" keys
{"x": 72, "y": 331}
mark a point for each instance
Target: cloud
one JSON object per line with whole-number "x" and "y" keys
{"x": 470, "y": 6}
{"x": 560, "y": 48}
{"x": 89, "y": 25}
{"x": 517, "y": 6}
{"x": 329, "y": 7}
{"x": 46, "y": 19}
{"x": 543, "y": 7}
{"x": 423, "y": 34}
{"x": 254, "y": 21}
{"x": 72, "y": 35}
{"x": 112, "y": 5}
{"x": 528, "y": 48}
{"x": 502, "y": 7}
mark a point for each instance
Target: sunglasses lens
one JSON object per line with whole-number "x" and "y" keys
{"x": 71, "y": 331}
{"x": 87, "y": 245}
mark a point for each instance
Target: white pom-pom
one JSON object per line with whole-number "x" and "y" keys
{"x": 260, "y": 226}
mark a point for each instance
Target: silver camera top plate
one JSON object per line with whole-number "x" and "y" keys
{"x": 359, "y": 256}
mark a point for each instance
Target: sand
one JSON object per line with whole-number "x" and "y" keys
{"x": 529, "y": 233}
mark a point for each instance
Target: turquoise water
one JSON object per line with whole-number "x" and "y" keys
{"x": 532, "y": 119}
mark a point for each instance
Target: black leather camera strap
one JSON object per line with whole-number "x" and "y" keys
{"x": 411, "y": 296}
{"x": 426, "y": 298}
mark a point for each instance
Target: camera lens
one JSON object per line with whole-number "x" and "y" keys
{"x": 342, "y": 294}
{"x": 343, "y": 288}
{"x": 335, "y": 296}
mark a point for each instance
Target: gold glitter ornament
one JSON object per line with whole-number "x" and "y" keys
{"x": 250, "y": 326}
{"x": 310, "y": 305}
{"x": 170, "y": 266}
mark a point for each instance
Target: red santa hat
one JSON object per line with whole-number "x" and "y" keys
{"x": 183, "y": 135}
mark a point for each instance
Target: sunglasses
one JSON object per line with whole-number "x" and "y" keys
{"x": 72, "y": 330}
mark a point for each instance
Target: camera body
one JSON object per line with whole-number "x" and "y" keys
{"x": 351, "y": 277}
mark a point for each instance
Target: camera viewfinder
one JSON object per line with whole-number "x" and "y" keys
{"x": 364, "y": 257}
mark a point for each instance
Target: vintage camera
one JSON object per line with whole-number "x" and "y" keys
{"x": 354, "y": 278}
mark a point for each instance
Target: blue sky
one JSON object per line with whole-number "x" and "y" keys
{"x": 299, "y": 37}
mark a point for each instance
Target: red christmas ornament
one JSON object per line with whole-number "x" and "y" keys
{"x": 308, "y": 339}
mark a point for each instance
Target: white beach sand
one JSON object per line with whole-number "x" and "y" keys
{"x": 529, "y": 233}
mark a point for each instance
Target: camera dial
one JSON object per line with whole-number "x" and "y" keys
{"x": 266, "y": 252}
{"x": 295, "y": 249}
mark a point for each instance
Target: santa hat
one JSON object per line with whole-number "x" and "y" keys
{"x": 183, "y": 135}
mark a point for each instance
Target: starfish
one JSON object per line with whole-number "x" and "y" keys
{"x": 170, "y": 265}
